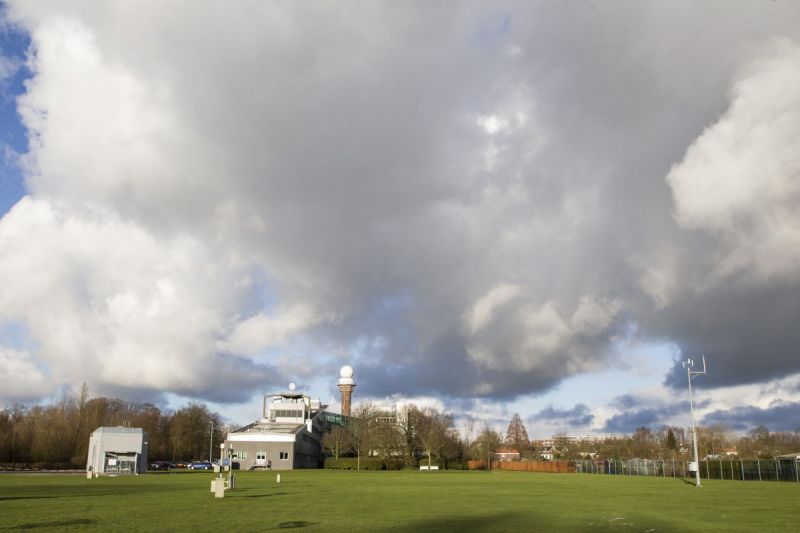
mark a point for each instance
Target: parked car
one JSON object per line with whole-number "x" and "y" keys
{"x": 182, "y": 464}
{"x": 200, "y": 465}
{"x": 161, "y": 465}
{"x": 226, "y": 463}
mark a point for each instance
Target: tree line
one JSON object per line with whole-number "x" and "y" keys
{"x": 666, "y": 442}
{"x": 669, "y": 442}
{"x": 57, "y": 435}
{"x": 424, "y": 435}
{"x": 415, "y": 436}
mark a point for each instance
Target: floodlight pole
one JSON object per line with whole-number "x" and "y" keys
{"x": 689, "y": 364}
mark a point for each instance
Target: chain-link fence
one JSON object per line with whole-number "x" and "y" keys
{"x": 730, "y": 469}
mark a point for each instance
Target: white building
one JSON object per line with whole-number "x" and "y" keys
{"x": 287, "y": 436}
{"x": 117, "y": 450}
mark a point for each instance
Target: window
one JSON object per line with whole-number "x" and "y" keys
{"x": 284, "y": 455}
{"x": 260, "y": 456}
{"x": 239, "y": 455}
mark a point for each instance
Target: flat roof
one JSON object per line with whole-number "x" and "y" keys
{"x": 119, "y": 430}
{"x": 270, "y": 427}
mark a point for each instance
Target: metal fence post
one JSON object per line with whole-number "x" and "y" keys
{"x": 721, "y": 476}
{"x": 796, "y": 476}
{"x": 758, "y": 463}
{"x": 777, "y": 471}
{"x": 742, "y": 463}
{"x": 684, "y": 468}
{"x": 732, "y": 470}
{"x": 708, "y": 474}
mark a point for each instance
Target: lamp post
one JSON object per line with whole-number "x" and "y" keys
{"x": 688, "y": 365}
{"x": 211, "y": 442}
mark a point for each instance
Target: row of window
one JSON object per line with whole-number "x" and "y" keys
{"x": 288, "y": 413}
{"x": 259, "y": 455}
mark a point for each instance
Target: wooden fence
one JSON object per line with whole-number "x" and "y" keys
{"x": 561, "y": 467}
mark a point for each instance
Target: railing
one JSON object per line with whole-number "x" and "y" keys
{"x": 726, "y": 469}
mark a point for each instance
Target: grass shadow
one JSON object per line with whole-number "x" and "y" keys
{"x": 11, "y": 498}
{"x": 495, "y": 522}
{"x": 294, "y": 524}
{"x": 55, "y": 524}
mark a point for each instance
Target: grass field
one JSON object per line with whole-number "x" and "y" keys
{"x": 320, "y": 500}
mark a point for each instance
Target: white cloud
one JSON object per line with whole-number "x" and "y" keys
{"x": 482, "y": 311}
{"x": 539, "y": 337}
{"x": 265, "y": 330}
{"x": 493, "y": 124}
{"x": 740, "y": 180}
{"x": 20, "y": 377}
{"x": 109, "y": 303}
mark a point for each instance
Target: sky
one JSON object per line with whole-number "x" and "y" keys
{"x": 489, "y": 207}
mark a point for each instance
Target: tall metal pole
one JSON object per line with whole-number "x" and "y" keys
{"x": 211, "y": 442}
{"x": 689, "y": 374}
{"x": 694, "y": 430}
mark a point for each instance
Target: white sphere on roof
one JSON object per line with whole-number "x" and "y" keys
{"x": 292, "y": 386}
{"x": 346, "y": 371}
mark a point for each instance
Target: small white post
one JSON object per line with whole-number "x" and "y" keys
{"x": 279, "y": 478}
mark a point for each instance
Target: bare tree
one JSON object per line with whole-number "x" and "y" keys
{"x": 487, "y": 443}
{"x": 360, "y": 428}
{"x": 432, "y": 428}
{"x": 387, "y": 435}
{"x": 469, "y": 429}
{"x": 562, "y": 447}
{"x": 336, "y": 441}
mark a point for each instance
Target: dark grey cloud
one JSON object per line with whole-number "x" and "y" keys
{"x": 467, "y": 197}
{"x": 578, "y": 416}
{"x": 626, "y": 401}
{"x": 629, "y": 421}
{"x": 780, "y": 416}
{"x": 630, "y": 418}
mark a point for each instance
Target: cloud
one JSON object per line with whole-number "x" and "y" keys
{"x": 578, "y": 416}
{"x": 20, "y": 377}
{"x": 481, "y": 313}
{"x": 778, "y": 416}
{"x": 739, "y": 179}
{"x": 737, "y": 189}
{"x": 462, "y": 203}
{"x": 649, "y": 413}
{"x": 261, "y": 331}
{"x": 120, "y": 307}
{"x": 626, "y": 401}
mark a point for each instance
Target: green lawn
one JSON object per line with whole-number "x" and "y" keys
{"x": 318, "y": 500}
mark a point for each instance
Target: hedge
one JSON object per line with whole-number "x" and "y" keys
{"x": 367, "y": 463}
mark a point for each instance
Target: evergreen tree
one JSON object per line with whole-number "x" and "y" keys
{"x": 516, "y": 435}
{"x": 672, "y": 443}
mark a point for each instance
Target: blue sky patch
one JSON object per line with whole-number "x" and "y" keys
{"x": 13, "y": 136}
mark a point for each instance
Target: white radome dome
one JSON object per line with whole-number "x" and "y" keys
{"x": 346, "y": 371}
